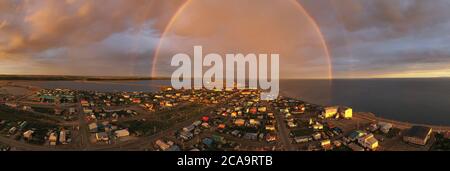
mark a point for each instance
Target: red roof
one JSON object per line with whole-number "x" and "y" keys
{"x": 205, "y": 118}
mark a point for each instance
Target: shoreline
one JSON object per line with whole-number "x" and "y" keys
{"x": 362, "y": 115}
{"x": 398, "y": 124}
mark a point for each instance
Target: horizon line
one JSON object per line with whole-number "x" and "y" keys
{"x": 165, "y": 77}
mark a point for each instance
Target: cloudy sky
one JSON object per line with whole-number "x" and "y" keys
{"x": 366, "y": 38}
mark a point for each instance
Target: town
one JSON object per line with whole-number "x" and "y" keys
{"x": 61, "y": 119}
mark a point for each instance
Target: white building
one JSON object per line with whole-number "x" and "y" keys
{"x": 122, "y": 133}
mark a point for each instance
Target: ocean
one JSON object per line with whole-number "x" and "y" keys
{"x": 424, "y": 101}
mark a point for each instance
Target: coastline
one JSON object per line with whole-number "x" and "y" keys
{"x": 398, "y": 124}
{"x": 361, "y": 115}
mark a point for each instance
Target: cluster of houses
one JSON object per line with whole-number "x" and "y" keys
{"x": 337, "y": 112}
{"x": 55, "y": 95}
{"x": 106, "y": 132}
{"x": 166, "y": 146}
{"x": 23, "y": 130}
{"x": 188, "y": 132}
{"x": 247, "y": 117}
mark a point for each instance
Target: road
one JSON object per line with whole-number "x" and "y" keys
{"x": 283, "y": 132}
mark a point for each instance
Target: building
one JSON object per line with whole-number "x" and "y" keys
{"x": 317, "y": 126}
{"x": 88, "y": 111}
{"x": 251, "y": 136}
{"x": 270, "y": 127}
{"x": 355, "y": 147}
{"x": 28, "y": 134}
{"x": 52, "y": 138}
{"x": 189, "y": 128}
{"x": 93, "y": 127}
{"x": 385, "y": 127}
{"x": 208, "y": 142}
{"x": 102, "y": 136}
{"x": 186, "y": 135}
{"x": 418, "y": 135}
{"x": 72, "y": 110}
{"x": 354, "y": 135}
{"x": 317, "y": 136}
{"x": 368, "y": 141}
{"x": 302, "y": 139}
{"x": 326, "y": 144}
{"x": 346, "y": 112}
{"x": 330, "y": 112}
{"x": 122, "y": 133}
{"x": 162, "y": 145}
{"x": 62, "y": 137}
{"x": 239, "y": 122}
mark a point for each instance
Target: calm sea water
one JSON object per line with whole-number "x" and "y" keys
{"x": 424, "y": 101}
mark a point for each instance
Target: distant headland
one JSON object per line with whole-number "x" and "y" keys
{"x": 77, "y": 78}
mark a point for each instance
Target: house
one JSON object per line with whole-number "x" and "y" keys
{"x": 84, "y": 103}
{"x": 326, "y": 144}
{"x": 26, "y": 108}
{"x": 87, "y": 111}
{"x": 354, "y": 135}
{"x": 270, "y": 127}
{"x": 208, "y": 142}
{"x": 251, "y": 136}
{"x": 418, "y": 135}
{"x": 317, "y": 136}
{"x": 368, "y": 141}
{"x": 189, "y": 128}
{"x": 62, "y": 136}
{"x": 337, "y": 143}
{"x": 262, "y": 109}
{"x": 58, "y": 111}
{"x": 174, "y": 148}
{"x": 254, "y": 122}
{"x": 52, "y": 139}
{"x": 197, "y": 123}
{"x": 253, "y": 110}
{"x": 373, "y": 127}
{"x": 11, "y": 105}
{"x": 136, "y": 100}
{"x": 221, "y": 126}
{"x": 186, "y": 135}
{"x": 271, "y": 137}
{"x": 72, "y": 111}
{"x": 102, "y": 136}
{"x": 162, "y": 145}
{"x": 205, "y": 118}
{"x": 239, "y": 122}
{"x": 291, "y": 124}
{"x": 346, "y": 112}
{"x": 302, "y": 139}
{"x": 355, "y": 147}
{"x": 122, "y": 133}
{"x": 12, "y": 130}
{"x": 235, "y": 133}
{"x": 330, "y": 112}
{"x": 218, "y": 138}
{"x": 385, "y": 127}
{"x": 93, "y": 127}
{"x": 205, "y": 125}
{"x": 318, "y": 126}
{"x": 28, "y": 134}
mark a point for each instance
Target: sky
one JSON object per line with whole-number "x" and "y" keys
{"x": 365, "y": 38}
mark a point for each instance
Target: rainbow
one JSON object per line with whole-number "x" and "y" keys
{"x": 294, "y": 2}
